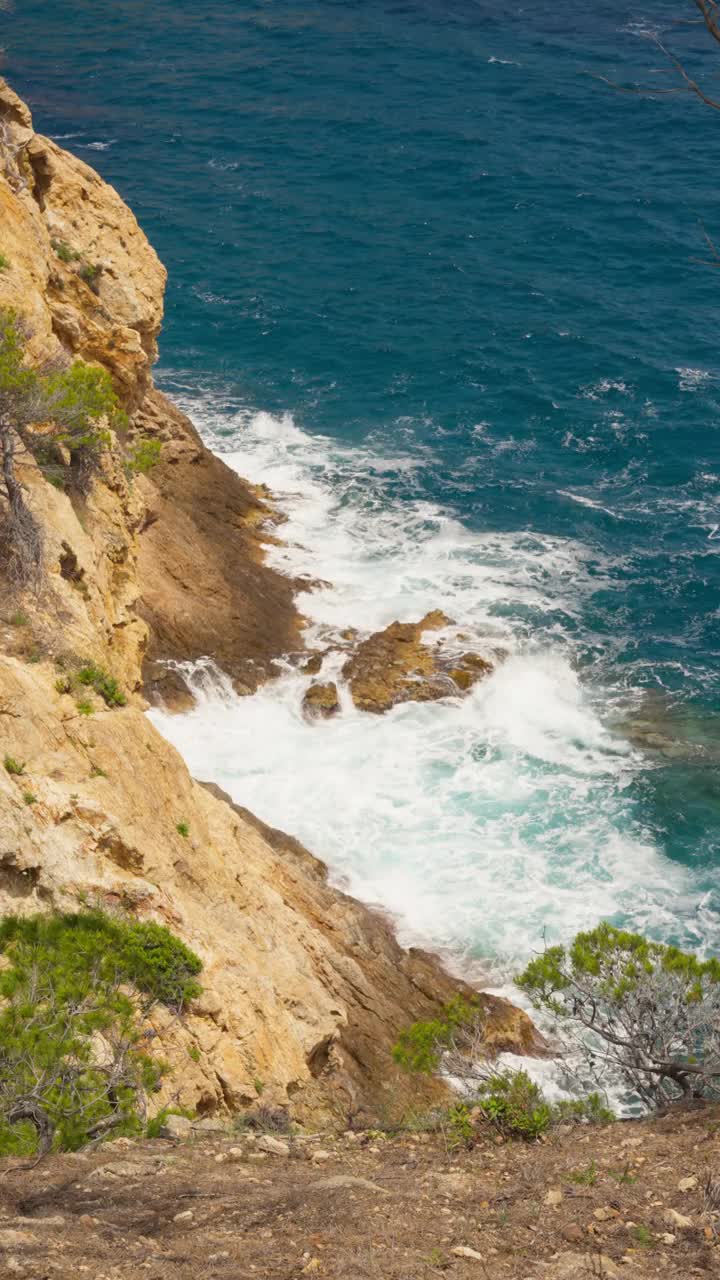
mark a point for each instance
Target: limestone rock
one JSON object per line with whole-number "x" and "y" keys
{"x": 464, "y": 1251}
{"x": 678, "y": 1220}
{"x": 273, "y": 1146}
{"x": 396, "y": 665}
{"x": 342, "y": 1181}
{"x": 321, "y": 700}
{"x": 177, "y": 1127}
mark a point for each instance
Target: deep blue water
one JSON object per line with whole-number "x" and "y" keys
{"x": 427, "y": 227}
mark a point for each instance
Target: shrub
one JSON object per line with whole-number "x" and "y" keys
{"x": 76, "y": 405}
{"x": 106, "y": 686}
{"x": 640, "y": 1010}
{"x": 19, "y": 619}
{"x": 13, "y": 766}
{"x": 421, "y": 1046}
{"x": 507, "y": 1099}
{"x": 74, "y": 992}
{"x": 4, "y": 262}
{"x": 143, "y": 455}
{"x": 64, "y": 252}
{"x": 85, "y": 708}
{"x": 183, "y": 829}
{"x": 514, "y": 1104}
{"x": 29, "y": 797}
{"x": 90, "y": 272}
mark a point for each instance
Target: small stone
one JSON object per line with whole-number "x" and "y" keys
{"x": 222, "y": 1157}
{"x": 273, "y": 1146}
{"x": 687, "y": 1184}
{"x": 667, "y": 1237}
{"x": 185, "y": 1216}
{"x": 12, "y": 1239}
{"x": 258, "y": 1155}
{"x": 313, "y": 1265}
{"x": 235, "y": 1154}
{"x": 554, "y": 1197}
{"x": 605, "y": 1214}
{"x": 347, "y": 1180}
{"x": 463, "y": 1251}
{"x": 675, "y": 1219}
{"x": 53, "y": 1220}
{"x": 318, "y": 1157}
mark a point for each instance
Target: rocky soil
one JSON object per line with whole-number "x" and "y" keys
{"x": 632, "y": 1200}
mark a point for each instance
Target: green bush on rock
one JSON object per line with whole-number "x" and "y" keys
{"x": 75, "y": 989}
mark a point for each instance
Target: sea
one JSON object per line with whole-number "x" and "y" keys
{"x": 442, "y": 273}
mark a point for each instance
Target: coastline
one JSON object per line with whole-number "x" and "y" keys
{"x": 305, "y": 989}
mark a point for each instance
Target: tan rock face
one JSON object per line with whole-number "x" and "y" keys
{"x": 48, "y": 197}
{"x": 398, "y": 665}
{"x": 205, "y": 589}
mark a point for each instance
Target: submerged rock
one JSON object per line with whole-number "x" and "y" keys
{"x": 396, "y": 665}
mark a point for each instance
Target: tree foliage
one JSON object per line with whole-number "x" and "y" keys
{"x": 640, "y": 1010}
{"x": 76, "y": 990}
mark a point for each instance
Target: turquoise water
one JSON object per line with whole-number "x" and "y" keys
{"x": 440, "y": 286}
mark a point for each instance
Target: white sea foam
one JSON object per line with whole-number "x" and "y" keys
{"x": 482, "y": 822}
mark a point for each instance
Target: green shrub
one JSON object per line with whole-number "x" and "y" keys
{"x": 143, "y": 455}
{"x": 514, "y": 1104}
{"x": 4, "y": 262}
{"x": 106, "y": 686}
{"x": 420, "y": 1046}
{"x": 648, "y": 1013}
{"x": 29, "y": 797}
{"x": 90, "y": 272}
{"x": 19, "y": 619}
{"x": 85, "y": 708}
{"x": 183, "y": 829}
{"x": 74, "y": 992}
{"x": 77, "y": 406}
{"x": 14, "y": 767}
{"x": 64, "y": 252}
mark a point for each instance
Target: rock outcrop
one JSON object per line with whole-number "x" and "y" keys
{"x": 304, "y": 989}
{"x": 396, "y": 665}
{"x": 321, "y": 700}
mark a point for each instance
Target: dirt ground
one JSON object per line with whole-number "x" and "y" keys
{"x": 633, "y": 1200}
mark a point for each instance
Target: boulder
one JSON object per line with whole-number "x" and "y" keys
{"x": 273, "y": 1146}
{"x": 178, "y": 1127}
{"x": 321, "y": 700}
{"x": 396, "y": 665}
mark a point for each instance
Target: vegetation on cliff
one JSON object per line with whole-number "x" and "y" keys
{"x": 77, "y": 990}
{"x": 61, "y": 416}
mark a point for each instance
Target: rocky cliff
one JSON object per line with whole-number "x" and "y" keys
{"x": 305, "y": 989}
